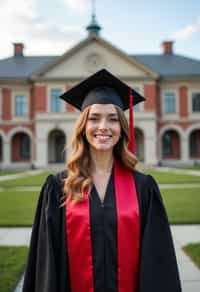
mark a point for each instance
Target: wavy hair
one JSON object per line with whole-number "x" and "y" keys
{"x": 79, "y": 178}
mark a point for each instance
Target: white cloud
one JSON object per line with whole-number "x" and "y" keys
{"x": 78, "y": 5}
{"x": 20, "y": 22}
{"x": 187, "y": 32}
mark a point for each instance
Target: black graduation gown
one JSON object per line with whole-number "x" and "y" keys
{"x": 47, "y": 267}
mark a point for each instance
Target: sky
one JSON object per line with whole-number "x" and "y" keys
{"x": 51, "y": 27}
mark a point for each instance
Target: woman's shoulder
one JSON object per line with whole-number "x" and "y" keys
{"x": 143, "y": 178}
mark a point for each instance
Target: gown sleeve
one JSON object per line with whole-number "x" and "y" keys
{"x": 47, "y": 265}
{"x": 158, "y": 265}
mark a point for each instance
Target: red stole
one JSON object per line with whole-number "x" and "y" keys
{"x": 128, "y": 234}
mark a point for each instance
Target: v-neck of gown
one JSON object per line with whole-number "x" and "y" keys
{"x": 106, "y": 191}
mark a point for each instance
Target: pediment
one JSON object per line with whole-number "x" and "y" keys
{"x": 92, "y": 55}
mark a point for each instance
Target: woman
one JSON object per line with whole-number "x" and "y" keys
{"x": 102, "y": 226}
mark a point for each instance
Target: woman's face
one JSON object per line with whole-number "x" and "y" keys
{"x": 102, "y": 128}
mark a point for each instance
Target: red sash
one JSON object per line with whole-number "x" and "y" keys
{"x": 128, "y": 234}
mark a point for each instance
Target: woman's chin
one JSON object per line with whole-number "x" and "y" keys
{"x": 102, "y": 148}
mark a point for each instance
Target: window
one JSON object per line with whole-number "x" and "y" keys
{"x": 21, "y": 105}
{"x": 196, "y": 102}
{"x": 25, "y": 147}
{"x": 167, "y": 145}
{"x": 169, "y": 102}
{"x": 56, "y": 103}
{"x": 195, "y": 144}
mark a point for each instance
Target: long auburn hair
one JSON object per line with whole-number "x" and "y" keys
{"x": 79, "y": 177}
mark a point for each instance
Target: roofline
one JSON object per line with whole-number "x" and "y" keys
{"x": 16, "y": 81}
{"x": 180, "y": 78}
{"x": 75, "y": 78}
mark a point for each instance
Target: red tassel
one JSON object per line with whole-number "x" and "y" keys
{"x": 131, "y": 145}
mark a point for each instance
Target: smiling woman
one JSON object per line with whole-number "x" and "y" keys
{"x": 101, "y": 225}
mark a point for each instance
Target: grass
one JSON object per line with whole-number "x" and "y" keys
{"x": 182, "y": 205}
{"x": 30, "y": 180}
{"x": 172, "y": 178}
{"x": 161, "y": 178}
{"x": 17, "y": 208}
{"x": 12, "y": 263}
{"x": 193, "y": 251}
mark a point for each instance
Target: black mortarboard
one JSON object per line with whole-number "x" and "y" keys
{"x": 101, "y": 87}
{"x": 104, "y": 88}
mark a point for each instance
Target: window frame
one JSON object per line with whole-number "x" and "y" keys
{"x": 20, "y": 92}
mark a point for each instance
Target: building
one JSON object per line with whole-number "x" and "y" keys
{"x": 35, "y": 125}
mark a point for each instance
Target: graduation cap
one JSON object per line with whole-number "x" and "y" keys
{"x": 104, "y": 88}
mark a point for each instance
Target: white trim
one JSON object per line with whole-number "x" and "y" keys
{"x": 16, "y": 130}
{"x": 49, "y": 87}
{"x": 23, "y": 92}
{"x": 190, "y": 129}
{"x": 192, "y": 115}
{"x": 170, "y": 116}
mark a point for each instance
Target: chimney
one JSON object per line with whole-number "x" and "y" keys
{"x": 18, "y": 49}
{"x": 167, "y": 47}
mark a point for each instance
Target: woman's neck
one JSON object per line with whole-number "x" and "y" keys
{"x": 101, "y": 162}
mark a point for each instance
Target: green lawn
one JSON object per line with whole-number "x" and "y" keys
{"x": 17, "y": 208}
{"x": 12, "y": 263}
{"x": 30, "y": 180}
{"x": 172, "y": 178}
{"x": 182, "y": 205}
{"x": 161, "y": 177}
{"x": 193, "y": 250}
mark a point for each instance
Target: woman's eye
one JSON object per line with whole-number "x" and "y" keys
{"x": 114, "y": 120}
{"x": 92, "y": 119}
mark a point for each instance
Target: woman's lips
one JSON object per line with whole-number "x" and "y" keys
{"x": 102, "y": 138}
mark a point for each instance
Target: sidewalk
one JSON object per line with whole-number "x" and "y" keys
{"x": 182, "y": 235}
{"x": 21, "y": 174}
{"x": 177, "y": 170}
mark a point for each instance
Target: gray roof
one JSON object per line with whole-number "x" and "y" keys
{"x": 22, "y": 67}
{"x": 169, "y": 65}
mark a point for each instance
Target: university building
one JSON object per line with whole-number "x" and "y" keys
{"x": 35, "y": 125}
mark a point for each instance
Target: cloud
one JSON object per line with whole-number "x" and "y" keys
{"x": 81, "y": 6}
{"x": 20, "y": 21}
{"x": 187, "y": 32}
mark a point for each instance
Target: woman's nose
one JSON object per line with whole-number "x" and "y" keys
{"x": 103, "y": 124}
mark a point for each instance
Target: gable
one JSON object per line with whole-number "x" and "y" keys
{"x": 92, "y": 55}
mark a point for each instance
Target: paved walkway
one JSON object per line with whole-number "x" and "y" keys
{"x": 182, "y": 235}
{"x": 177, "y": 170}
{"x": 161, "y": 186}
{"x": 21, "y": 174}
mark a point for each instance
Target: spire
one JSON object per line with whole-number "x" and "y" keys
{"x": 93, "y": 28}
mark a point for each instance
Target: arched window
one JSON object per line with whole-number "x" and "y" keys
{"x": 171, "y": 145}
{"x": 21, "y": 147}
